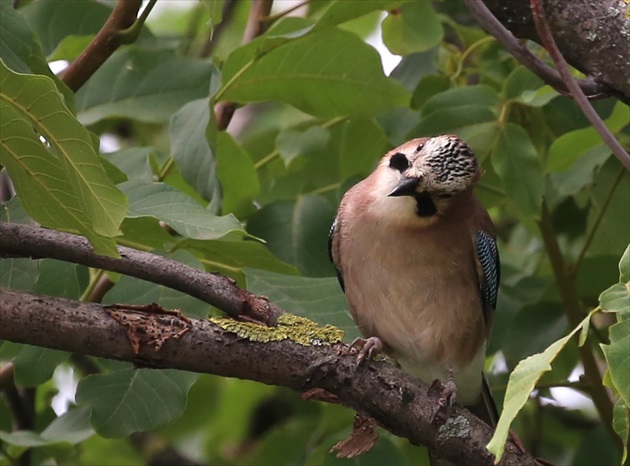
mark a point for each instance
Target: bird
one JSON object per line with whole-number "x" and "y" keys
{"x": 417, "y": 258}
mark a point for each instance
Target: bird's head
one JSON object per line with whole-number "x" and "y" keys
{"x": 432, "y": 172}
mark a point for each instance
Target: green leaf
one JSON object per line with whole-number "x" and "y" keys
{"x": 294, "y": 143}
{"x": 621, "y": 424}
{"x": 231, "y": 257}
{"x": 134, "y": 400}
{"x": 54, "y": 20}
{"x": 609, "y": 196}
{"x": 19, "y": 274}
{"x": 319, "y": 299}
{"x": 63, "y": 279}
{"x": 624, "y": 266}
{"x": 519, "y": 82}
{"x": 478, "y": 95}
{"x": 515, "y": 160}
{"x": 237, "y": 175}
{"x": 62, "y": 184}
{"x": 414, "y": 27}
{"x": 145, "y": 85}
{"x": 326, "y": 73}
{"x": 363, "y": 142}
{"x": 73, "y": 427}
{"x": 179, "y": 211}
{"x": 522, "y": 382}
{"x": 35, "y": 365}
{"x": 297, "y": 232}
{"x": 618, "y": 357}
{"x": 428, "y": 87}
{"x": 341, "y": 11}
{"x": 190, "y": 149}
{"x": 570, "y": 147}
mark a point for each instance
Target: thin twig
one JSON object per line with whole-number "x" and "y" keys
{"x": 229, "y": 7}
{"x": 576, "y": 91}
{"x": 545, "y": 72}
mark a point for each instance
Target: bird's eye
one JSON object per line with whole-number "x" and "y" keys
{"x": 399, "y": 162}
{"x": 419, "y": 148}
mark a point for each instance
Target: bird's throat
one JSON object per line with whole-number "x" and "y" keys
{"x": 425, "y": 207}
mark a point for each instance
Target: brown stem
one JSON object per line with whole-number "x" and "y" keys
{"x": 103, "y": 45}
{"x": 379, "y": 389}
{"x": 573, "y": 310}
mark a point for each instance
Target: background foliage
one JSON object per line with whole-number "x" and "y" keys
{"x": 137, "y": 148}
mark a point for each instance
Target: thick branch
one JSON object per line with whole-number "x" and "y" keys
{"x": 380, "y": 390}
{"x": 27, "y": 241}
{"x": 592, "y": 36}
{"x": 105, "y": 43}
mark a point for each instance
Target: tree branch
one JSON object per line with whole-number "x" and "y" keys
{"x": 28, "y": 241}
{"x": 592, "y": 36}
{"x": 395, "y": 399}
{"x": 576, "y": 92}
{"x": 545, "y": 72}
{"x": 108, "y": 39}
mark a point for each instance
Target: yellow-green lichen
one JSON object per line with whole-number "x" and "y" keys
{"x": 290, "y": 327}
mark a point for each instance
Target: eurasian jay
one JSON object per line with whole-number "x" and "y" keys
{"x": 416, "y": 256}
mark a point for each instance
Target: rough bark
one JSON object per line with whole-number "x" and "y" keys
{"x": 593, "y": 36}
{"x": 380, "y": 390}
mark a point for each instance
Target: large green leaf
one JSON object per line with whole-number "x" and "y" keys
{"x": 179, "y": 211}
{"x": 297, "y": 232}
{"x": 414, "y": 27}
{"x": 19, "y": 274}
{"x": 71, "y": 427}
{"x": 325, "y": 73}
{"x": 190, "y": 149}
{"x": 319, "y": 299}
{"x": 340, "y": 11}
{"x": 237, "y": 175}
{"x": 60, "y": 178}
{"x": 522, "y": 381}
{"x": 134, "y": 400}
{"x": 55, "y": 20}
{"x": 35, "y": 365}
{"x": 515, "y": 160}
{"x": 362, "y": 143}
{"x": 143, "y": 84}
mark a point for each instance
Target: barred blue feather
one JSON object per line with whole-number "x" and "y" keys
{"x": 488, "y": 255}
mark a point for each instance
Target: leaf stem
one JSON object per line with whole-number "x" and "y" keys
{"x": 166, "y": 168}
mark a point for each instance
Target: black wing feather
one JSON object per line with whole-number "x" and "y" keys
{"x": 331, "y": 235}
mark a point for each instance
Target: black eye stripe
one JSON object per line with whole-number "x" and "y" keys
{"x": 399, "y": 162}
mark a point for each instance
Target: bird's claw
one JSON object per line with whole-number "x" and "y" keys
{"x": 446, "y": 395}
{"x": 366, "y": 348}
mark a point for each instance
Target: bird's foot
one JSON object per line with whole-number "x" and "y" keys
{"x": 366, "y": 348}
{"x": 446, "y": 395}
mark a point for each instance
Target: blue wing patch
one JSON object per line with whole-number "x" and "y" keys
{"x": 331, "y": 234}
{"x": 488, "y": 256}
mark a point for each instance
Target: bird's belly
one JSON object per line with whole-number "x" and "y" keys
{"x": 431, "y": 327}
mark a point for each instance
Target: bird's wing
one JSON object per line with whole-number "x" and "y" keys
{"x": 333, "y": 252}
{"x": 489, "y": 272}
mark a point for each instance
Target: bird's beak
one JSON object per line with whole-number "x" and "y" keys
{"x": 406, "y": 187}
